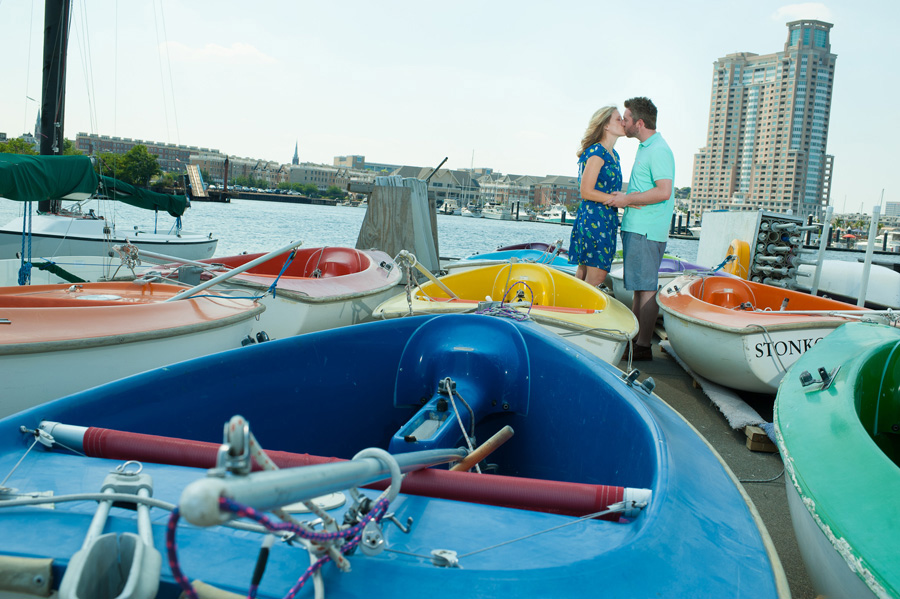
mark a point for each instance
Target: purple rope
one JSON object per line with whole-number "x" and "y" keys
{"x": 242, "y": 511}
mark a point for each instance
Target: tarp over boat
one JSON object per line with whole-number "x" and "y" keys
{"x": 37, "y": 178}
{"x": 144, "y": 198}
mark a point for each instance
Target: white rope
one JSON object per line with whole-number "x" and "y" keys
{"x": 463, "y": 428}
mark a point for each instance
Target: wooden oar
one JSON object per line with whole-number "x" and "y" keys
{"x": 235, "y": 271}
{"x": 485, "y": 449}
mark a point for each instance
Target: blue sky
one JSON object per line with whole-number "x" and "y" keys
{"x": 501, "y": 84}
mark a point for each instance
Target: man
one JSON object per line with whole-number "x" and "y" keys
{"x": 648, "y": 212}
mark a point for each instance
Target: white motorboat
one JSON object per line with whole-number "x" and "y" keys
{"x": 496, "y": 212}
{"x": 557, "y": 213}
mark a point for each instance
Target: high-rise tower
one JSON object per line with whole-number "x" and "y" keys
{"x": 768, "y": 128}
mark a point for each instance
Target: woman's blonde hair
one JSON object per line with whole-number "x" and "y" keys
{"x": 596, "y": 127}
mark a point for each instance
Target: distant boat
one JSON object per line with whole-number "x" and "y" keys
{"x": 557, "y": 213}
{"x": 73, "y": 232}
{"x": 602, "y": 489}
{"x": 836, "y": 418}
{"x": 889, "y": 241}
{"x": 496, "y": 212}
{"x": 450, "y": 207}
{"x": 471, "y": 210}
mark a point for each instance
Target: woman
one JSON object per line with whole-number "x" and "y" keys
{"x": 593, "y": 243}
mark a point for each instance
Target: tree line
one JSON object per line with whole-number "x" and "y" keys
{"x": 139, "y": 167}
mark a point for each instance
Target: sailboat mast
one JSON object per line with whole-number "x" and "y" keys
{"x": 57, "y": 14}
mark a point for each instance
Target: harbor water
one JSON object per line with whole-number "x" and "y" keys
{"x": 261, "y": 226}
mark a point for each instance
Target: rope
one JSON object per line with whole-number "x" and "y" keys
{"x": 287, "y": 263}
{"x": 728, "y": 258}
{"x": 768, "y": 337}
{"x": 352, "y": 537}
{"x": 466, "y": 435}
{"x": 765, "y": 480}
{"x": 25, "y": 267}
{"x": 508, "y": 311}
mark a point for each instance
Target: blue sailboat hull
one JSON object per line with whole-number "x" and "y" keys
{"x": 337, "y": 392}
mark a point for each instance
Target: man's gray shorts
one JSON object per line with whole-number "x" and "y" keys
{"x": 643, "y": 258}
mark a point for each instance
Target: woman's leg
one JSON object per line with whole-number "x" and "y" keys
{"x": 581, "y": 272}
{"x": 595, "y": 276}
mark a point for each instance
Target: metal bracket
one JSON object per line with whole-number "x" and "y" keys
{"x": 826, "y": 378}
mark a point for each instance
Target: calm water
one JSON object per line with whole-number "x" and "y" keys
{"x": 256, "y": 226}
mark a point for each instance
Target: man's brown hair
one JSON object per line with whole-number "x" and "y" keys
{"x": 642, "y": 109}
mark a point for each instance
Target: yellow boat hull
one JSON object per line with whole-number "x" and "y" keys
{"x": 578, "y": 312}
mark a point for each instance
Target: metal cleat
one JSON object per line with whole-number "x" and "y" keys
{"x": 444, "y": 558}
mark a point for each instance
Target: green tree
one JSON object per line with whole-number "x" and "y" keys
{"x": 69, "y": 148}
{"x": 334, "y": 192}
{"x": 139, "y": 165}
{"x": 110, "y": 165}
{"x": 166, "y": 181}
{"x": 17, "y": 146}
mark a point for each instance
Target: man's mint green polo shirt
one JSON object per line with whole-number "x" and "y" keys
{"x": 653, "y": 161}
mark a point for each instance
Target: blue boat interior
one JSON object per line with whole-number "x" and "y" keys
{"x": 398, "y": 385}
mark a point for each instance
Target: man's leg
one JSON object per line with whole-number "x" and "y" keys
{"x": 646, "y": 310}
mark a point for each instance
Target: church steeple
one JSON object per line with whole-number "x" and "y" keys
{"x": 296, "y": 159}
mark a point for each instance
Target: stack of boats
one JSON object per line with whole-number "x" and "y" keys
{"x": 94, "y": 321}
{"x": 460, "y": 390}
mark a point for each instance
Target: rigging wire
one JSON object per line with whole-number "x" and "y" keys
{"x": 86, "y": 55}
{"x": 161, "y": 75}
{"x": 169, "y": 68}
{"x": 28, "y": 69}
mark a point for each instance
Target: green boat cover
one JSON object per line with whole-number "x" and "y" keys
{"x": 37, "y": 178}
{"x": 144, "y": 198}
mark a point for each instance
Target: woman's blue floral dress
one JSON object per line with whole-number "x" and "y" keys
{"x": 596, "y": 225}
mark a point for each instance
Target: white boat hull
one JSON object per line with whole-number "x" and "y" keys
{"x": 289, "y": 314}
{"x": 34, "y": 378}
{"x": 55, "y": 235}
{"x": 843, "y": 279}
{"x": 744, "y": 359}
{"x": 610, "y": 349}
{"x": 827, "y": 569}
{"x": 615, "y": 280}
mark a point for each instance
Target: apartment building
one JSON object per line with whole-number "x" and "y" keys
{"x": 556, "y": 189}
{"x": 172, "y": 158}
{"x": 768, "y": 128}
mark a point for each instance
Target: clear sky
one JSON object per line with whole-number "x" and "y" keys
{"x": 499, "y": 84}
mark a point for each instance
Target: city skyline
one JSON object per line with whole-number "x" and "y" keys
{"x": 505, "y": 86}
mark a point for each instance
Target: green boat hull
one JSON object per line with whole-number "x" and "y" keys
{"x": 840, "y": 443}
